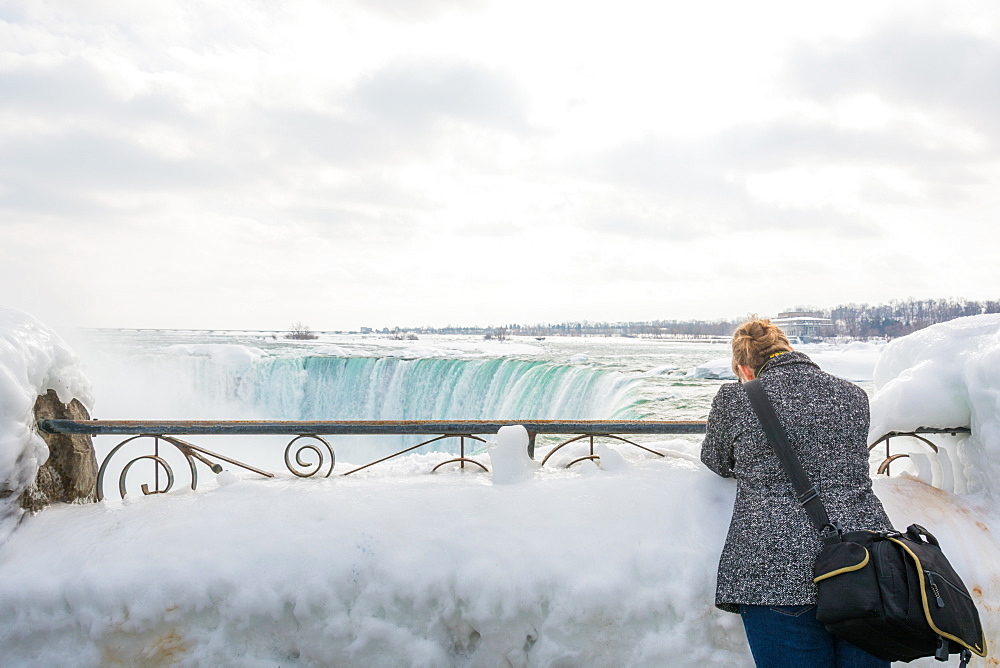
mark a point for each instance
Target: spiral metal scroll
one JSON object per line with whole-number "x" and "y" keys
{"x": 159, "y": 462}
{"x": 145, "y": 487}
{"x": 306, "y": 468}
{"x": 192, "y": 454}
{"x": 592, "y": 456}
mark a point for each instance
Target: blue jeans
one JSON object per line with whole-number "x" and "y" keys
{"x": 789, "y": 635}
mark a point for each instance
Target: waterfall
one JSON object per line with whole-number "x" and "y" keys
{"x": 386, "y": 388}
{"x": 212, "y": 381}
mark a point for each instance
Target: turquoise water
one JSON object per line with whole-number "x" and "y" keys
{"x": 201, "y": 375}
{"x": 238, "y": 376}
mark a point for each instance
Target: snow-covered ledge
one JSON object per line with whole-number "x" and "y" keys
{"x": 39, "y": 377}
{"x": 947, "y": 375}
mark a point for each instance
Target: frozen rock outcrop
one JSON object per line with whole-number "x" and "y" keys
{"x": 34, "y": 363}
{"x": 69, "y": 475}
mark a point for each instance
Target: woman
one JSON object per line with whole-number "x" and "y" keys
{"x": 765, "y": 572}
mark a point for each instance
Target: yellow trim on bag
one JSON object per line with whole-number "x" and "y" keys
{"x": 845, "y": 569}
{"x": 927, "y": 610}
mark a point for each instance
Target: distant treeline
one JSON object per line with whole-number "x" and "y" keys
{"x": 899, "y": 318}
{"x": 860, "y": 321}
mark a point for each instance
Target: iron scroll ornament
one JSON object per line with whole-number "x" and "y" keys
{"x": 193, "y": 454}
{"x": 309, "y": 469}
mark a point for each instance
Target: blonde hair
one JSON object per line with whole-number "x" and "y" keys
{"x": 755, "y": 341}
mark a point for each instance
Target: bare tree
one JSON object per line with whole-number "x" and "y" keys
{"x": 300, "y": 331}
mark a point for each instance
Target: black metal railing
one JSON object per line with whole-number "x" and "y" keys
{"x": 314, "y": 453}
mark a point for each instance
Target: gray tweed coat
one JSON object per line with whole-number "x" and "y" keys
{"x": 771, "y": 546}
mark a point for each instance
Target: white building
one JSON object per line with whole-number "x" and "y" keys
{"x": 804, "y": 325}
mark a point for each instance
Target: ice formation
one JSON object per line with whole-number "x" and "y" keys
{"x": 33, "y": 360}
{"x": 947, "y": 375}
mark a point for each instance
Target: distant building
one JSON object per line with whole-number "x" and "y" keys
{"x": 804, "y": 325}
{"x": 366, "y": 330}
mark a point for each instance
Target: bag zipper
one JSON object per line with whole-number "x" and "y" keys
{"x": 934, "y": 588}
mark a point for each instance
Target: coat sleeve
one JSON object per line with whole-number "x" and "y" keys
{"x": 717, "y": 448}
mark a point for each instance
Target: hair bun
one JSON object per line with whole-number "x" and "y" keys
{"x": 755, "y": 340}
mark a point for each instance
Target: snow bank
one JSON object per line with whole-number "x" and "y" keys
{"x": 434, "y": 570}
{"x": 717, "y": 369}
{"x": 33, "y": 360}
{"x": 947, "y": 375}
{"x": 855, "y": 362}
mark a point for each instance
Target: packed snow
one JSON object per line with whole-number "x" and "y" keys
{"x": 606, "y": 563}
{"x": 509, "y": 458}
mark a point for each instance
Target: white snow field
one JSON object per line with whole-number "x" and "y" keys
{"x": 523, "y": 566}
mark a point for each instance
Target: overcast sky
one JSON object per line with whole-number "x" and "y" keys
{"x": 251, "y": 163}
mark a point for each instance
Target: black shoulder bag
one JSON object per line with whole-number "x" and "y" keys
{"x": 893, "y": 594}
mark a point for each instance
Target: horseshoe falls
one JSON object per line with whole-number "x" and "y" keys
{"x": 366, "y": 388}
{"x": 370, "y": 388}
{"x": 174, "y": 376}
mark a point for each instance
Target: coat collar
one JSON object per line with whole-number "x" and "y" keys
{"x": 786, "y": 359}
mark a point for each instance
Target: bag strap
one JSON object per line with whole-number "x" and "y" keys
{"x": 805, "y": 491}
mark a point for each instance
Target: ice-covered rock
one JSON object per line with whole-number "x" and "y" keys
{"x": 33, "y": 360}
{"x": 69, "y": 475}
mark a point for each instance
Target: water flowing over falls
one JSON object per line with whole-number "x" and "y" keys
{"x": 369, "y": 388}
{"x": 218, "y": 381}
{"x": 313, "y": 388}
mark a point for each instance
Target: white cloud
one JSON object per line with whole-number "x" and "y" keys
{"x": 446, "y": 161}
